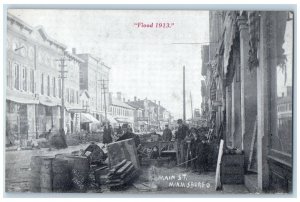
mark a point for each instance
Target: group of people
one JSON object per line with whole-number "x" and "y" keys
{"x": 197, "y": 147}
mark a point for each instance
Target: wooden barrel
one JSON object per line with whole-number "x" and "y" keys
{"x": 35, "y": 168}
{"x": 67, "y": 157}
{"x": 61, "y": 175}
{"x": 80, "y": 173}
{"x": 46, "y": 175}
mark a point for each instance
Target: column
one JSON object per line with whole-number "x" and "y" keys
{"x": 263, "y": 96}
{"x": 248, "y": 89}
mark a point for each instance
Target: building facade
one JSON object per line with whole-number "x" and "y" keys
{"x": 94, "y": 77}
{"x": 250, "y": 66}
{"x": 121, "y": 112}
{"x": 152, "y": 115}
{"x": 33, "y": 90}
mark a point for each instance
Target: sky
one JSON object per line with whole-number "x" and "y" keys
{"x": 144, "y": 62}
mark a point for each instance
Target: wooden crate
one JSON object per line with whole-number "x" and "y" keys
{"x": 232, "y": 169}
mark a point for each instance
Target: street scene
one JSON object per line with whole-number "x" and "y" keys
{"x": 149, "y": 101}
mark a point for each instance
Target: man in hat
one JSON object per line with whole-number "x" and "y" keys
{"x": 180, "y": 136}
{"x": 167, "y": 134}
{"x": 127, "y": 134}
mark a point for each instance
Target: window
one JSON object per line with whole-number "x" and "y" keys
{"x": 59, "y": 88}
{"x": 42, "y": 84}
{"x": 31, "y": 81}
{"x": 281, "y": 88}
{"x": 24, "y": 78}
{"x": 68, "y": 95}
{"x": 9, "y": 75}
{"x": 17, "y": 76}
{"x": 48, "y": 85}
{"x": 72, "y": 96}
{"x": 77, "y": 97}
{"x": 54, "y": 87}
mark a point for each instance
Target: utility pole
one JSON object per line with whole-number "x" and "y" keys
{"x": 192, "y": 106}
{"x": 103, "y": 91}
{"x": 62, "y": 77}
{"x": 184, "y": 117}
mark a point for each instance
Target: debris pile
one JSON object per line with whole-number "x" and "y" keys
{"x": 121, "y": 174}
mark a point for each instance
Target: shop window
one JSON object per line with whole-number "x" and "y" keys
{"x": 281, "y": 137}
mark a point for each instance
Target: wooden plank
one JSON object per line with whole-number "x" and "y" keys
{"x": 252, "y": 144}
{"x": 119, "y": 165}
{"x": 121, "y": 170}
{"x": 125, "y": 149}
{"x": 218, "y": 177}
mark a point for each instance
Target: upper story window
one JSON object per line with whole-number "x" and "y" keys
{"x": 42, "y": 84}
{"x": 17, "y": 76}
{"x": 48, "y": 85}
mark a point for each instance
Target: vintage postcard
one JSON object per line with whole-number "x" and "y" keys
{"x": 149, "y": 101}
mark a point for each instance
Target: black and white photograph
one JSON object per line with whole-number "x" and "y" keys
{"x": 149, "y": 101}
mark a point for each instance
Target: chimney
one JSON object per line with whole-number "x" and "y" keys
{"x": 135, "y": 98}
{"x": 159, "y": 103}
{"x": 119, "y": 96}
{"x": 128, "y": 100}
{"x": 282, "y": 94}
{"x": 74, "y": 51}
{"x": 123, "y": 99}
{"x": 139, "y": 100}
{"x": 155, "y": 101}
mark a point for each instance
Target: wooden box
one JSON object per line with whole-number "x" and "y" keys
{"x": 232, "y": 169}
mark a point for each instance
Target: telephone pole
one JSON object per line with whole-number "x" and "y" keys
{"x": 192, "y": 106}
{"x": 62, "y": 77}
{"x": 104, "y": 87}
{"x": 184, "y": 117}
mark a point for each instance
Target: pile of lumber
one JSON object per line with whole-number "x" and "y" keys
{"x": 121, "y": 174}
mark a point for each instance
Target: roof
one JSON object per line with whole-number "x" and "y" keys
{"x": 39, "y": 29}
{"x": 84, "y": 92}
{"x": 119, "y": 103}
{"x": 74, "y": 57}
{"x": 135, "y": 105}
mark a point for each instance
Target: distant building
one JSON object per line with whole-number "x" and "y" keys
{"x": 154, "y": 116}
{"x": 120, "y": 111}
{"x": 94, "y": 77}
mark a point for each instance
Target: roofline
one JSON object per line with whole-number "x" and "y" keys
{"x": 48, "y": 38}
{"x": 78, "y": 59}
{"x": 21, "y": 22}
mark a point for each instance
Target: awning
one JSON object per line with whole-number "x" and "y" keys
{"x": 20, "y": 98}
{"x": 110, "y": 118}
{"x": 142, "y": 122}
{"x": 88, "y": 118}
{"x": 123, "y": 120}
{"x": 51, "y": 102}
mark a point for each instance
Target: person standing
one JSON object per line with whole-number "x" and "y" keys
{"x": 107, "y": 135}
{"x": 180, "y": 136}
{"x": 167, "y": 134}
